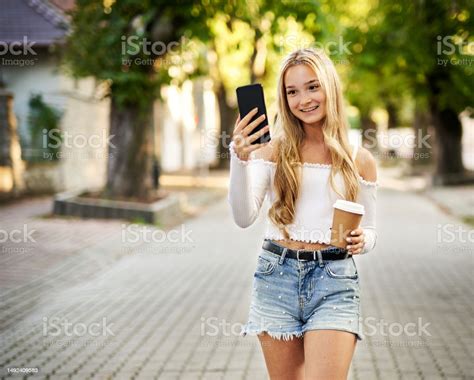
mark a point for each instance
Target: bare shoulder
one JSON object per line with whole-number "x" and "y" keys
{"x": 266, "y": 152}
{"x": 366, "y": 164}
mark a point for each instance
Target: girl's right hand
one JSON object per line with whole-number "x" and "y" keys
{"x": 242, "y": 138}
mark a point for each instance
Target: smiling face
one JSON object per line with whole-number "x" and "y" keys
{"x": 306, "y": 98}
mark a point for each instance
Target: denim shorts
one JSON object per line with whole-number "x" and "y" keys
{"x": 290, "y": 297}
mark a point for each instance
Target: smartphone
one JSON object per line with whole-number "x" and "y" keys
{"x": 249, "y": 97}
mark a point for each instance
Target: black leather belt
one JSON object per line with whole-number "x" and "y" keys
{"x": 332, "y": 253}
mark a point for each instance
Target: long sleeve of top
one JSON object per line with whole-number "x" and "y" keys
{"x": 368, "y": 197}
{"x": 248, "y": 184}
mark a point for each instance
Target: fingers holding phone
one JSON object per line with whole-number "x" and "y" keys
{"x": 252, "y": 132}
{"x": 243, "y": 137}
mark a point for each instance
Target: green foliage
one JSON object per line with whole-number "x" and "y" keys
{"x": 395, "y": 56}
{"x": 98, "y": 45}
{"x": 112, "y": 42}
{"x": 393, "y": 60}
{"x": 43, "y": 127}
{"x": 249, "y": 39}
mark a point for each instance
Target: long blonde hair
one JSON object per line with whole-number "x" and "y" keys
{"x": 288, "y": 159}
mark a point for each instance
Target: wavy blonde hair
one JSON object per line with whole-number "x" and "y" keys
{"x": 288, "y": 159}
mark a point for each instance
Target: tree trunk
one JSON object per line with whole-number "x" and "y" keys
{"x": 129, "y": 168}
{"x": 369, "y": 133}
{"x": 423, "y": 149}
{"x": 258, "y": 59}
{"x": 227, "y": 118}
{"x": 449, "y": 166}
{"x": 392, "y": 115}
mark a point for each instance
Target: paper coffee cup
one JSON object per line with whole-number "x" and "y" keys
{"x": 347, "y": 216}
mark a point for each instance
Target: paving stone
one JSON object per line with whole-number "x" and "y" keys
{"x": 83, "y": 271}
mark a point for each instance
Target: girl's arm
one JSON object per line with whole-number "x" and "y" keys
{"x": 249, "y": 181}
{"x": 368, "y": 197}
{"x": 365, "y": 237}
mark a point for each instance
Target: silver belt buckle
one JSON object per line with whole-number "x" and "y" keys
{"x": 315, "y": 253}
{"x": 298, "y": 254}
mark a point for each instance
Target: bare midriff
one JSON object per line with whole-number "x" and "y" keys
{"x": 301, "y": 245}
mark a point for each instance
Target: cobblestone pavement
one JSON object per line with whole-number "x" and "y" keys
{"x": 107, "y": 300}
{"x": 457, "y": 201}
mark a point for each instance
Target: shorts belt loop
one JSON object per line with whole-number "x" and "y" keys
{"x": 282, "y": 258}
{"x": 320, "y": 258}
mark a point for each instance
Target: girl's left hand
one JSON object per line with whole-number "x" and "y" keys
{"x": 356, "y": 240}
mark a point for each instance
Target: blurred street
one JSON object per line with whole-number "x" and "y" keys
{"x": 87, "y": 299}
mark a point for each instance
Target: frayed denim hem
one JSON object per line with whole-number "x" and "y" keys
{"x": 275, "y": 335}
{"x": 298, "y": 334}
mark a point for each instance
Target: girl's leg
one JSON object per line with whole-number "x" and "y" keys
{"x": 328, "y": 354}
{"x": 284, "y": 358}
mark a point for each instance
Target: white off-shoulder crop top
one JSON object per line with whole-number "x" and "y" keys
{"x": 251, "y": 181}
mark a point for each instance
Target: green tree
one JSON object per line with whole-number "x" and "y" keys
{"x": 420, "y": 50}
{"x": 374, "y": 78}
{"x": 112, "y": 41}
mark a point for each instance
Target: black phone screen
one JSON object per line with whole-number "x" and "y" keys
{"x": 249, "y": 97}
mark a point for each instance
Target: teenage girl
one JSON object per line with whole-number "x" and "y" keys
{"x": 305, "y": 304}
